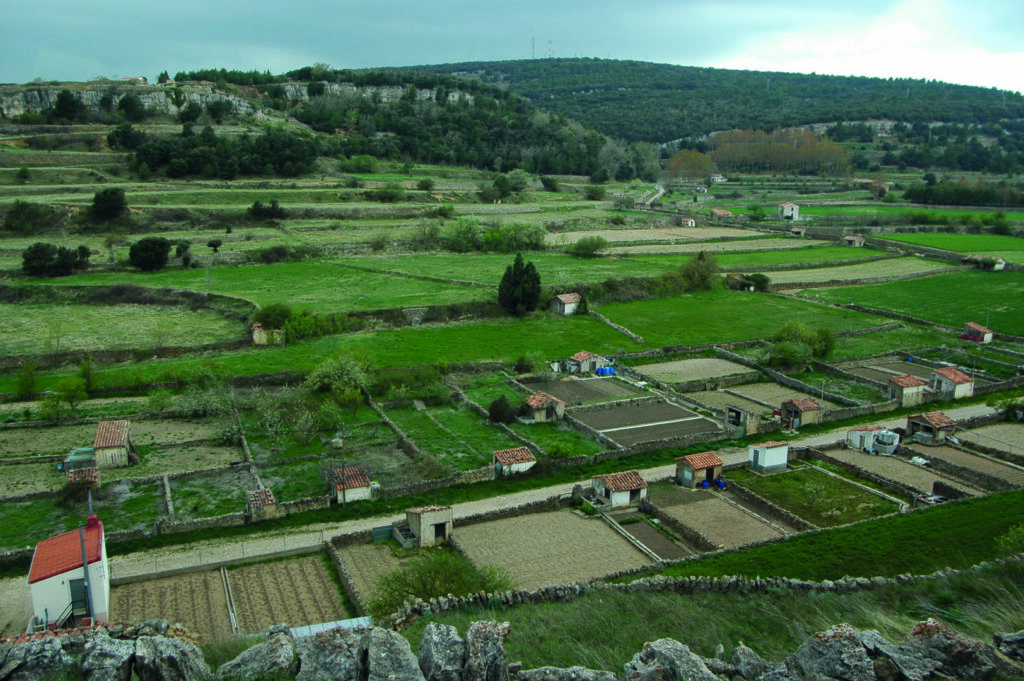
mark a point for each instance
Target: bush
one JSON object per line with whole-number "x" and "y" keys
{"x": 259, "y": 211}
{"x": 425, "y": 185}
{"x": 150, "y": 253}
{"x": 549, "y": 183}
{"x": 588, "y": 246}
{"x": 108, "y": 204}
{"x": 43, "y": 259}
{"x": 274, "y": 254}
{"x": 26, "y": 217}
{"x": 594, "y": 192}
{"x": 392, "y": 192}
{"x": 500, "y": 411}
{"x": 273, "y": 316}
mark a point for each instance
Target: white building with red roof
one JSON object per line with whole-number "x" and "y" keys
{"x": 620, "y": 489}
{"x": 113, "y": 443}
{"x": 696, "y": 469}
{"x": 977, "y": 333}
{"x": 565, "y": 303}
{"x": 350, "y": 484}
{"x": 61, "y": 590}
{"x": 952, "y": 383}
{"x": 586, "y": 362}
{"x": 511, "y": 461}
{"x": 907, "y": 390}
{"x": 768, "y": 457}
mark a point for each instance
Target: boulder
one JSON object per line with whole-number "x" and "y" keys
{"x": 570, "y": 674}
{"x": 335, "y": 655}
{"x": 107, "y": 659}
{"x": 667, "y": 660}
{"x": 959, "y": 657}
{"x": 1011, "y": 645}
{"x": 388, "y": 657}
{"x": 486, "y": 659}
{"x": 274, "y": 658}
{"x": 833, "y": 654}
{"x": 442, "y": 653}
{"x": 158, "y": 658}
{"x": 748, "y": 664}
{"x": 39, "y": 660}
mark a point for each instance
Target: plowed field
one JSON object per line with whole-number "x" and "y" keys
{"x": 294, "y": 592}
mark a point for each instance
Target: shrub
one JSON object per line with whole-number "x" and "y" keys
{"x": 549, "y": 183}
{"x": 259, "y": 211}
{"x": 43, "y": 259}
{"x": 426, "y": 184}
{"x": 594, "y": 192}
{"x": 392, "y": 192}
{"x": 588, "y": 246}
{"x": 27, "y": 217}
{"x": 273, "y": 316}
{"x": 500, "y": 411}
{"x": 150, "y": 253}
{"x": 274, "y": 254}
{"x": 109, "y": 203}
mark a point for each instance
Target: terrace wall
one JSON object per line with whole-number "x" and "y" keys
{"x": 618, "y": 327}
{"x": 348, "y": 584}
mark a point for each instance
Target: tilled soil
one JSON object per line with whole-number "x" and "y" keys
{"x": 296, "y": 592}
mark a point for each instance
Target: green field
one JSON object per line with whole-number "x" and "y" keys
{"x": 961, "y": 243}
{"x": 993, "y": 299}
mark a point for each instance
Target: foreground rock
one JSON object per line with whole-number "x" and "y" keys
{"x": 932, "y": 651}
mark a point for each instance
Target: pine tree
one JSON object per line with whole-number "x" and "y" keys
{"x": 519, "y": 289}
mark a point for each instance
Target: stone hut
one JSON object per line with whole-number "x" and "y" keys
{"x": 260, "y": 504}
{"x": 544, "y": 407}
{"x": 696, "y": 469}
{"x": 511, "y": 461}
{"x": 907, "y": 390}
{"x": 801, "y": 412}
{"x": 855, "y": 240}
{"x": 585, "y": 362}
{"x": 350, "y": 484}
{"x": 565, "y": 303}
{"x": 951, "y": 383}
{"x": 431, "y": 525}
{"x": 930, "y": 428}
{"x": 113, "y": 444}
{"x": 789, "y": 211}
{"x": 743, "y": 420}
{"x": 620, "y": 489}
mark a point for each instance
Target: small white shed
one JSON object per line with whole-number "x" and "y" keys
{"x": 350, "y": 484}
{"x": 768, "y": 457}
{"x": 620, "y": 489}
{"x": 515, "y": 460}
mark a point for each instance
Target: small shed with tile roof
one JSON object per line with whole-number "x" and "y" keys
{"x": 432, "y": 525}
{"x": 544, "y": 407}
{"x": 951, "y": 383}
{"x": 113, "y": 444}
{"x": 977, "y": 333}
{"x": 930, "y": 427}
{"x": 696, "y": 469}
{"x": 565, "y": 303}
{"x": 351, "y": 483}
{"x": 789, "y": 211}
{"x": 260, "y": 504}
{"x": 802, "y": 411}
{"x": 620, "y": 489}
{"x": 768, "y": 457}
{"x": 512, "y": 461}
{"x": 586, "y": 362}
{"x": 745, "y": 421}
{"x": 57, "y": 577}
{"x": 908, "y": 390}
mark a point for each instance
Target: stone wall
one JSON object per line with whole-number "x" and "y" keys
{"x": 167, "y": 526}
{"x": 691, "y": 535}
{"x": 348, "y": 584}
{"x": 618, "y": 327}
{"x": 788, "y": 381}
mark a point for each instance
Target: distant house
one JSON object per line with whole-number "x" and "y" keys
{"x": 984, "y": 262}
{"x": 721, "y": 215}
{"x": 687, "y": 222}
{"x": 768, "y": 457}
{"x": 620, "y": 489}
{"x": 801, "y": 412}
{"x": 511, "y": 461}
{"x": 113, "y": 444}
{"x": 855, "y": 240}
{"x": 930, "y": 428}
{"x": 58, "y": 582}
{"x": 565, "y": 303}
{"x": 350, "y": 484}
{"x": 907, "y": 390}
{"x": 744, "y": 420}
{"x": 261, "y": 336}
{"x": 718, "y": 177}
{"x": 585, "y": 362}
{"x": 952, "y": 383}
{"x": 798, "y": 231}
{"x": 430, "y": 525}
{"x": 544, "y": 407}
{"x": 696, "y": 469}
{"x": 260, "y": 504}
{"x": 789, "y": 211}
{"x": 977, "y": 333}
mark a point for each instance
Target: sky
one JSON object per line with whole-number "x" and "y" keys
{"x": 970, "y": 42}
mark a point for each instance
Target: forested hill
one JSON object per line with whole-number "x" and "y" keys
{"x": 641, "y": 101}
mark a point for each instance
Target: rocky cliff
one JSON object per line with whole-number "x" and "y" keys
{"x": 155, "y": 652}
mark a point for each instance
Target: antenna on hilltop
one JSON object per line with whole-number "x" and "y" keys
{"x": 533, "y": 47}
{"x": 551, "y": 50}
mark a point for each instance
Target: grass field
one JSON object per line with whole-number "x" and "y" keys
{"x": 961, "y": 243}
{"x": 994, "y": 299}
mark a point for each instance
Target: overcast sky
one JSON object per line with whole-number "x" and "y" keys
{"x": 973, "y": 42}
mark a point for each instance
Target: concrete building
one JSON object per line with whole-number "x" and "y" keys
{"x": 620, "y": 489}
{"x": 512, "y": 461}
{"x": 977, "y": 333}
{"x": 61, "y": 590}
{"x": 768, "y": 457}
{"x": 907, "y": 390}
{"x": 431, "y": 525}
{"x": 565, "y": 303}
{"x": 930, "y": 427}
{"x": 350, "y": 484}
{"x": 951, "y": 383}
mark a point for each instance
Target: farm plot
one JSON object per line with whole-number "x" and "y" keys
{"x": 299, "y": 479}
{"x": 450, "y": 450}
{"x": 175, "y": 459}
{"x": 898, "y": 470}
{"x": 716, "y": 246}
{"x": 196, "y": 601}
{"x": 1008, "y": 437}
{"x": 1011, "y": 474}
{"x": 367, "y": 563}
{"x": 25, "y": 478}
{"x": 715, "y": 518}
{"x": 652, "y": 537}
{"x": 45, "y": 440}
{"x": 683, "y": 370}
{"x": 212, "y": 493}
{"x": 573, "y": 390}
{"x": 867, "y": 270}
{"x": 669, "y": 234}
{"x": 543, "y": 549}
{"x": 719, "y": 399}
{"x": 631, "y": 424}
{"x": 173, "y": 431}
{"x": 773, "y": 393}
{"x": 298, "y": 592}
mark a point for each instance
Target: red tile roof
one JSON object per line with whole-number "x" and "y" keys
{"x": 352, "y": 477}
{"x": 508, "y": 457}
{"x": 974, "y": 326}
{"x": 568, "y": 298}
{"x": 584, "y": 355}
{"x": 540, "y": 398}
{"x": 804, "y": 404}
{"x": 936, "y": 419}
{"x": 88, "y": 475}
{"x": 622, "y": 482}
{"x": 63, "y": 553}
{"x": 955, "y": 375}
{"x": 260, "y": 497}
{"x": 907, "y": 381}
{"x": 772, "y": 444}
{"x": 703, "y": 460}
{"x": 111, "y": 434}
